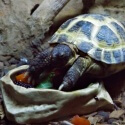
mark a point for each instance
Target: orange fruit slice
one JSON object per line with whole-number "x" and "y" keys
{"x": 76, "y": 120}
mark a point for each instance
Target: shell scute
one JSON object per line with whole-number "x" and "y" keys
{"x": 117, "y": 55}
{"x": 98, "y": 17}
{"x": 54, "y": 37}
{"x": 123, "y": 52}
{"x": 119, "y": 29}
{"x": 66, "y": 24}
{"x": 109, "y": 39}
{"x": 76, "y": 26}
{"x": 98, "y": 54}
{"x": 85, "y": 46}
{"x": 63, "y": 38}
{"x": 87, "y": 28}
{"x": 107, "y": 56}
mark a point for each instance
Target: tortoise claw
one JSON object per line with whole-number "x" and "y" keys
{"x": 65, "y": 87}
{"x": 61, "y": 87}
{"x": 30, "y": 78}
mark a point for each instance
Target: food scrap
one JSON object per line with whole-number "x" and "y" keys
{"x": 46, "y": 83}
{"x": 77, "y": 120}
{"x": 22, "y": 78}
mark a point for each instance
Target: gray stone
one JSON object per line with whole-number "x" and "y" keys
{"x": 13, "y": 61}
{"x": 1, "y": 65}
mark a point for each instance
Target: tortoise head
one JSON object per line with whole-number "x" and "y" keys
{"x": 62, "y": 54}
{"x": 54, "y": 57}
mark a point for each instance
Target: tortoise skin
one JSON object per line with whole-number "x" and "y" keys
{"x": 101, "y": 37}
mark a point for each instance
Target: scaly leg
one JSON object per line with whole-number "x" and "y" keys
{"x": 78, "y": 69}
{"x": 40, "y": 63}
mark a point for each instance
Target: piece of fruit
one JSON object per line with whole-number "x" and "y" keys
{"x": 76, "y": 120}
{"x": 22, "y": 78}
{"x": 46, "y": 83}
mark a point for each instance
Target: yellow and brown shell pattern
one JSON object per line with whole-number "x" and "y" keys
{"x": 101, "y": 37}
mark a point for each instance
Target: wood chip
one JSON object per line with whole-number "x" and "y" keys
{"x": 117, "y": 113}
{"x": 94, "y": 120}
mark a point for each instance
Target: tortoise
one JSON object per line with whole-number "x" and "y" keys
{"x": 88, "y": 43}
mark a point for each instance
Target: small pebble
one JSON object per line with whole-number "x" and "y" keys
{"x": 110, "y": 121}
{"x": 104, "y": 114}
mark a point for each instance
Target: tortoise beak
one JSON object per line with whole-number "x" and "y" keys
{"x": 30, "y": 79}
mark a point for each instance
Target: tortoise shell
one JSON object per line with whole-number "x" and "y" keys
{"x": 101, "y": 37}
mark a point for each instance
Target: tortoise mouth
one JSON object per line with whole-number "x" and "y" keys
{"x": 64, "y": 54}
{"x": 13, "y": 75}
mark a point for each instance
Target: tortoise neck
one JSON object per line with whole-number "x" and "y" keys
{"x": 75, "y": 52}
{"x": 71, "y": 46}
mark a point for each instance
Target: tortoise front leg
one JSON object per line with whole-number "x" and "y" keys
{"x": 40, "y": 63}
{"x": 78, "y": 69}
